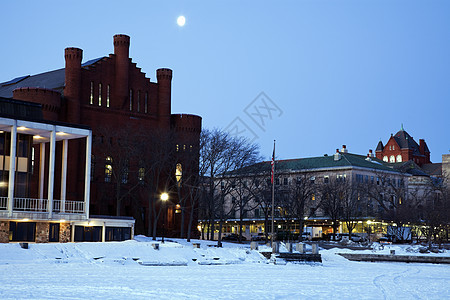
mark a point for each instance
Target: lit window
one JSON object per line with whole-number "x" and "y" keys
{"x": 107, "y": 95}
{"x": 91, "y": 98}
{"x": 99, "y": 94}
{"x": 178, "y": 173}
{"x": 190, "y": 148}
{"x": 385, "y": 159}
{"x": 184, "y": 147}
{"x": 313, "y": 197}
{"x": 178, "y": 148}
{"x": 399, "y": 158}
{"x": 393, "y": 147}
{"x": 139, "y": 101}
{"x": 108, "y": 169}
{"x": 392, "y": 159}
{"x": 146, "y": 102}
{"x": 390, "y": 147}
{"x": 131, "y": 100}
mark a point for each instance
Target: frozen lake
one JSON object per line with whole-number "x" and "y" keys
{"x": 107, "y": 271}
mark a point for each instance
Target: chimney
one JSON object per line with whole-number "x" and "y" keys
{"x": 371, "y": 153}
{"x": 344, "y": 149}
{"x": 422, "y": 146}
{"x": 337, "y": 155}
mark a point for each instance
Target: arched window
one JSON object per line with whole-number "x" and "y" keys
{"x": 392, "y": 159}
{"x": 399, "y": 158}
{"x": 385, "y": 159}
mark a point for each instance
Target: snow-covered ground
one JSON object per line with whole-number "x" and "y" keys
{"x": 117, "y": 270}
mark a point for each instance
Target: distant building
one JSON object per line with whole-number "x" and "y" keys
{"x": 359, "y": 172}
{"x": 110, "y": 94}
{"x": 402, "y": 147}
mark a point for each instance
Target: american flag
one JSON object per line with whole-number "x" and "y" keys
{"x": 273, "y": 163}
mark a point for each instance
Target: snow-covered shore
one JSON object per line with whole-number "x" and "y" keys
{"x": 113, "y": 271}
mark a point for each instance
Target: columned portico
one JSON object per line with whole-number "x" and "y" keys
{"x": 49, "y": 208}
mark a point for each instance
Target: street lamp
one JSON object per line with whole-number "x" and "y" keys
{"x": 164, "y": 197}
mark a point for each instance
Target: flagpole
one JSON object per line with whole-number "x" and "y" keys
{"x": 273, "y": 192}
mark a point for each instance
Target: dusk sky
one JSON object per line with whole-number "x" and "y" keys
{"x": 331, "y": 72}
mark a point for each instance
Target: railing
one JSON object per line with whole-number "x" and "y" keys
{"x": 29, "y": 204}
{"x": 41, "y": 205}
{"x": 3, "y": 203}
{"x": 71, "y": 207}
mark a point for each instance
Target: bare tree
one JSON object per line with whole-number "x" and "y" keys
{"x": 300, "y": 200}
{"x": 220, "y": 155}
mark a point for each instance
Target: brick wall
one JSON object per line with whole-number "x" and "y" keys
{"x": 4, "y": 231}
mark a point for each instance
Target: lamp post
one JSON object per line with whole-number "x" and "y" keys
{"x": 164, "y": 197}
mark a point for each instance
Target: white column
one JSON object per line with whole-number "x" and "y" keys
{"x": 87, "y": 175}
{"x": 64, "y": 175}
{"x": 72, "y": 236}
{"x": 51, "y": 172}
{"x": 41, "y": 169}
{"x": 12, "y": 168}
{"x": 104, "y": 232}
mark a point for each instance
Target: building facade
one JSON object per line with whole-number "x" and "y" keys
{"x": 402, "y": 147}
{"x": 365, "y": 188}
{"x": 119, "y": 103}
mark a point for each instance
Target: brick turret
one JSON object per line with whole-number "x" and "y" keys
{"x": 72, "y": 89}
{"x": 49, "y": 99}
{"x": 121, "y": 52}
{"x": 164, "y": 77}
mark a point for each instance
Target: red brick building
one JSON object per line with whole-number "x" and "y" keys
{"x": 402, "y": 147}
{"x": 110, "y": 94}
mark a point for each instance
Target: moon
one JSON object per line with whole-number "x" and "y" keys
{"x": 181, "y": 21}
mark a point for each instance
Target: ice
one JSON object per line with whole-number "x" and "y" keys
{"x": 118, "y": 270}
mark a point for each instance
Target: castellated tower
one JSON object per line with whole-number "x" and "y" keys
{"x": 72, "y": 89}
{"x": 121, "y": 52}
{"x": 164, "y": 77}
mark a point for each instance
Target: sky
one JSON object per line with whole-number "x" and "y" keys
{"x": 312, "y": 75}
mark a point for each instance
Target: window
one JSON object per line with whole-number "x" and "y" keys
{"x": 392, "y": 159}
{"x": 141, "y": 174}
{"x": 131, "y": 100}
{"x": 178, "y": 173}
{"x": 91, "y": 98}
{"x": 285, "y": 181}
{"x": 371, "y": 179}
{"x": 139, "y": 101}
{"x": 222, "y": 185}
{"x": 378, "y": 180}
{"x": 393, "y": 147}
{"x": 125, "y": 172}
{"x": 313, "y": 179}
{"x": 99, "y": 94}
{"x": 399, "y": 158}
{"x": 146, "y": 102}
{"x": 108, "y": 169}
{"x": 277, "y": 181}
{"x": 299, "y": 180}
{"x": 390, "y": 147}
{"x": 177, "y": 147}
{"x": 385, "y": 159}
{"x": 107, "y": 95}
{"x": 313, "y": 197}
{"x": 326, "y": 179}
{"x": 53, "y": 234}
{"x": 257, "y": 213}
